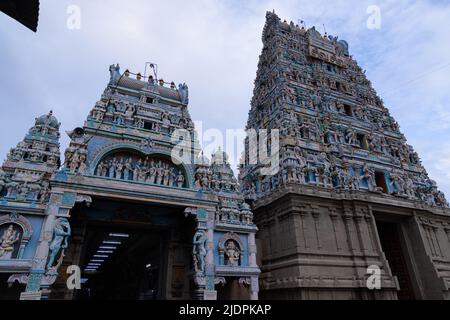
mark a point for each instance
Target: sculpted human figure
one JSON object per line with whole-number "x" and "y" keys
{"x": 354, "y": 182}
{"x": 44, "y": 192}
{"x": 180, "y": 179}
{"x": 112, "y": 167}
{"x": 7, "y": 241}
{"x": 336, "y": 176}
{"x": 119, "y": 169}
{"x": 100, "y": 167}
{"x": 409, "y": 187}
{"x": 160, "y": 173}
{"x": 350, "y": 136}
{"x": 440, "y": 199}
{"x": 104, "y": 170}
{"x": 233, "y": 254}
{"x": 172, "y": 177}
{"x": 2, "y": 181}
{"x": 397, "y": 183}
{"x": 82, "y": 164}
{"x": 74, "y": 162}
{"x": 369, "y": 175}
{"x": 205, "y": 181}
{"x": 137, "y": 170}
{"x": 127, "y": 169}
{"x": 142, "y": 174}
{"x": 199, "y": 251}
{"x": 23, "y": 192}
{"x": 114, "y": 71}
{"x": 11, "y": 187}
{"x": 61, "y": 233}
{"x": 166, "y": 175}
{"x": 130, "y": 111}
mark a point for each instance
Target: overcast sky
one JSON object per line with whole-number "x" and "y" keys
{"x": 214, "y": 46}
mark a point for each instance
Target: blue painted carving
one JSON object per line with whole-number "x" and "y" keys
{"x": 114, "y": 71}
{"x": 184, "y": 93}
{"x": 61, "y": 175}
{"x": 232, "y": 242}
{"x": 199, "y": 251}
{"x": 69, "y": 199}
{"x": 24, "y": 231}
{"x": 106, "y": 150}
{"x": 202, "y": 213}
{"x": 34, "y": 282}
{"x": 61, "y": 233}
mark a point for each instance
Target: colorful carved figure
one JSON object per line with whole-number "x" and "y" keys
{"x": 61, "y": 233}
{"x": 232, "y": 253}
{"x": 199, "y": 251}
{"x": 7, "y": 241}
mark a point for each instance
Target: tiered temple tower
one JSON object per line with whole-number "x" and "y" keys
{"x": 350, "y": 192}
{"x": 25, "y": 174}
{"x": 134, "y": 206}
{"x": 24, "y": 196}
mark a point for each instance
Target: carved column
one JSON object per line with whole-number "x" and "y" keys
{"x": 38, "y": 265}
{"x": 59, "y": 206}
{"x": 254, "y": 288}
{"x": 204, "y": 279}
{"x": 209, "y": 262}
{"x": 252, "y": 250}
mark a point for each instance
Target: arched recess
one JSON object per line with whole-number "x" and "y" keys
{"x": 109, "y": 151}
{"x": 24, "y": 226}
{"x": 222, "y": 246}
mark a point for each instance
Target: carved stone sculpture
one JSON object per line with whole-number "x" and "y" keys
{"x": 61, "y": 233}
{"x": 9, "y": 238}
{"x": 199, "y": 251}
{"x": 232, "y": 254}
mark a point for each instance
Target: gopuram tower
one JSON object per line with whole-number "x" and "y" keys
{"x": 351, "y": 198}
{"x": 134, "y": 209}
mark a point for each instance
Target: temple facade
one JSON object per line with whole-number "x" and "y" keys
{"x": 343, "y": 209}
{"x": 134, "y": 217}
{"x": 350, "y": 196}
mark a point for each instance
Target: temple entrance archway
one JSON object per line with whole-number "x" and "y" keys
{"x": 393, "y": 245}
{"x": 129, "y": 251}
{"x": 124, "y": 263}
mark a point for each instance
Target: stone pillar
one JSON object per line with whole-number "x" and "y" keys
{"x": 252, "y": 250}
{"x": 38, "y": 268}
{"x": 59, "y": 206}
{"x": 209, "y": 244}
{"x": 205, "y": 280}
{"x": 210, "y": 272}
{"x": 254, "y": 288}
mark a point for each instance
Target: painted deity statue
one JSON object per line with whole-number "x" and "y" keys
{"x": 233, "y": 254}
{"x": 61, "y": 233}
{"x": 199, "y": 251}
{"x": 7, "y": 241}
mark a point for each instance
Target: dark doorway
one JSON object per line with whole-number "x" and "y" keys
{"x": 129, "y": 251}
{"x": 380, "y": 181}
{"x": 9, "y": 291}
{"x": 389, "y": 234}
{"x": 123, "y": 264}
{"x": 232, "y": 290}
